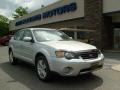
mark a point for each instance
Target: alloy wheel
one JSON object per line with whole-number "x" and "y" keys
{"x": 41, "y": 69}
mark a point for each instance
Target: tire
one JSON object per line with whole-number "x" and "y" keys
{"x": 12, "y": 59}
{"x": 42, "y": 69}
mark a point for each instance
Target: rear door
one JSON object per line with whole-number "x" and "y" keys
{"x": 17, "y": 43}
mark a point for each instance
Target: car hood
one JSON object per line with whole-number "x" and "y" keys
{"x": 69, "y": 45}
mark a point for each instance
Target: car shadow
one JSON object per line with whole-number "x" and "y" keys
{"x": 25, "y": 74}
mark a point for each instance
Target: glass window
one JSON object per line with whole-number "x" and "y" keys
{"x": 27, "y": 33}
{"x": 18, "y": 35}
{"x": 69, "y": 33}
{"x": 50, "y": 35}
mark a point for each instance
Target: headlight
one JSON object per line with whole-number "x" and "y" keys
{"x": 64, "y": 54}
{"x": 69, "y": 55}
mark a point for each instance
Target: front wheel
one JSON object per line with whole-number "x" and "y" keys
{"x": 12, "y": 59}
{"x": 42, "y": 69}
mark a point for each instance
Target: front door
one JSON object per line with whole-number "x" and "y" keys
{"x": 27, "y": 47}
{"x": 117, "y": 38}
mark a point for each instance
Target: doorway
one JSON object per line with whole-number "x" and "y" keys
{"x": 117, "y": 38}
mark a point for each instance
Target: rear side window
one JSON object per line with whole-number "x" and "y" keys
{"x": 18, "y": 35}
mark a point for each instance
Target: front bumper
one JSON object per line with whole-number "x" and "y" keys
{"x": 76, "y": 67}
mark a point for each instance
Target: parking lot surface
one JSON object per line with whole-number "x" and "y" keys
{"x": 23, "y": 77}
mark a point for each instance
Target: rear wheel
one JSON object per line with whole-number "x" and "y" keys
{"x": 12, "y": 59}
{"x": 42, "y": 68}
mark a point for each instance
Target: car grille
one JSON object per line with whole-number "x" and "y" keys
{"x": 91, "y": 54}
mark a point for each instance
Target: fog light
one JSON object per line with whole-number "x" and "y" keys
{"x": 67, "y": 70}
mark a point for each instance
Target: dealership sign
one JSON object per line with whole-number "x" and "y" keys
{"x": 54, "y": 12}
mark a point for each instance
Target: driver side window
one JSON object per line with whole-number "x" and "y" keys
{"x": 27, "y": 33}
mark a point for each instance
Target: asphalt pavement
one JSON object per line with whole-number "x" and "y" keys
{"x": 23, "y": 76}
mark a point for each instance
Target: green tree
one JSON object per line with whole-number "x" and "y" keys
{"x": 3, "y": 19}
{"x": 4, "y": 26}
{"x": 20, "y": 11}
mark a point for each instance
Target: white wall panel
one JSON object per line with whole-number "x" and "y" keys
{"x": 111, "y": 5}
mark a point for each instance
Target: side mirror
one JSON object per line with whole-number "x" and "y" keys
{"x": 27, "y": 39}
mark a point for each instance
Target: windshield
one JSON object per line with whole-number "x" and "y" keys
{"x": 50, "y": 35}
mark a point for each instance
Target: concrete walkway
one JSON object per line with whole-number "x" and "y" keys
{"x": 116, "y": 67}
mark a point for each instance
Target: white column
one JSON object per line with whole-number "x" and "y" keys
{"x": 75, "y": 35}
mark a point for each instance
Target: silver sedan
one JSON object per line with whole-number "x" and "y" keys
{"x": 51, "y": 50}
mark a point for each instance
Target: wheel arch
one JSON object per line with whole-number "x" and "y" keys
{"x": 39, "y": 54}
{"x": 44, "y": 55}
